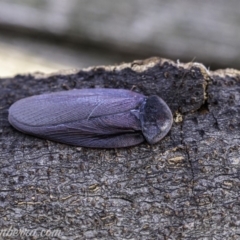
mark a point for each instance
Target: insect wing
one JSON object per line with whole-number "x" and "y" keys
{"x": 95, "y": 118}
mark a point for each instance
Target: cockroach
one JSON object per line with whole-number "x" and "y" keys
{"x": 101, "y": 118}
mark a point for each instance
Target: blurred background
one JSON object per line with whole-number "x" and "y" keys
{"x": 50, "y": 35}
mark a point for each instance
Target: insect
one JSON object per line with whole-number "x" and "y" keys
{"x": 101, "y": 118}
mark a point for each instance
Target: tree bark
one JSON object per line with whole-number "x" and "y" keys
{"x": 184, "y": 187}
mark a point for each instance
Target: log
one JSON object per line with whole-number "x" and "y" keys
{"x": 184, "y": 187}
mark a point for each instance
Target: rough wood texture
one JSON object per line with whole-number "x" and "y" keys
{"x": 185, "y": 187}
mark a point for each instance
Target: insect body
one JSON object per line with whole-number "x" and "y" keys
{"x": 102, "y": 118}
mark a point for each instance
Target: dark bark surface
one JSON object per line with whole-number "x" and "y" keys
{"x": 184, "y": 187}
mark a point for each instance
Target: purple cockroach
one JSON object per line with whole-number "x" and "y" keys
{"x": 101, "y": 118}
